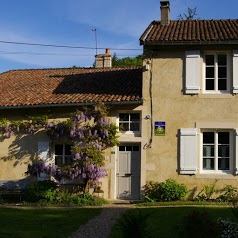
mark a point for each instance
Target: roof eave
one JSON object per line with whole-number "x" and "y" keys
{"x": 228, "y": 42}
{"x": 135, "y": 102}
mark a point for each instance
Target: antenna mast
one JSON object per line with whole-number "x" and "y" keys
{"x": 95, "y": 31}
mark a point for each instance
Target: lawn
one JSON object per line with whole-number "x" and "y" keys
{"x": 165, "y": 222}
{"x": 43, "y": 222}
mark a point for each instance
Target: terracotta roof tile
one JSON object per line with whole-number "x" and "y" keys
{"x": 191, "y": 31}
{"x": 70, "y": 86}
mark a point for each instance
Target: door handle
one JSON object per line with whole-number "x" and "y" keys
{"x": 127, "y": 175}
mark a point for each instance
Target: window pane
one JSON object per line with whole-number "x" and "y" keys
{"x": 210, "y": 84}
{"x": 58, "y": 160}
{"x": 128, "y": 148}
{"x": 135, "y": 126}
{"x": 208, "y": 163}
{"x": 208, "y": 137}
{"x": 135, "y": 117}
{"x": 136, "y": 148}
{"x": 208, "y": 150}
{"x": 59, "y": 149}
{"x": 68, "y": 149}
{"x": 123, "y": 117}
{"x": 121, "y": 148}
{"x": 224, "y": 151}
{"x": 221, "y": 59}
{"x": 223, "y": 138}
{"x": 68, "y": 159}
{"x": 223, "y": 164}
{"x": 209, "y": 59}
{"x": 209, "y": 72}
{"x": 222, "y": 84}
{"x": 124, "y": 126}
{"x": 222, "y": 72}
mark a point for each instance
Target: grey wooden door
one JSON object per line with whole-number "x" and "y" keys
{"x": 128, "y": 172}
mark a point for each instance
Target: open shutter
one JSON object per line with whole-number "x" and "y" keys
{"x": 43, "y": 151}
{"x": 235, "y": 71}
{"x": 188, "y": 150}
{"x": 236, "y": 151}
{"x": 192, "y": 77}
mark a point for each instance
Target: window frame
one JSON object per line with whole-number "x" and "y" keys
{"x": 63, "y": 155}
{"x": 228, "y": 72}
{"x": 129, "y": 121}
{"x": 216, "y": 156}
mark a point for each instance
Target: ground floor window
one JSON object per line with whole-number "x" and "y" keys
{"x": 217, "y": 153}
{"x": 63, "y": 154}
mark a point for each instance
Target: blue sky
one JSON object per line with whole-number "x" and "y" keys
{"x": 118, "y": 25}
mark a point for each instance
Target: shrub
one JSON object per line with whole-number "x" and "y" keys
{"x": 199, "y": 224}
{"x": 228, "y": 228}
{"x": 45, "y": 189}
{"x": 229, "y": 193}
{"x": 169, "y": 190}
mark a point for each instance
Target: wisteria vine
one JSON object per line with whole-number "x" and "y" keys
{"x": 89, "y": 130}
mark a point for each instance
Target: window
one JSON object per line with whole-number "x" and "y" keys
{"x": 63, "y": 154}
{"x": 216, "y": 150}
{"x": 216, "y": 73}
{"x": 129, "y": 122}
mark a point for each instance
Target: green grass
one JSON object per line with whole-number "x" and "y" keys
{"x": 164, "y": 222}
{"x": 43, "y": 222}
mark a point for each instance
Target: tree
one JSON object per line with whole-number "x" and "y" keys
{"x": 128, "y": 61}
{"x": 192, "y": 12}
{"x": 89, "y": 131}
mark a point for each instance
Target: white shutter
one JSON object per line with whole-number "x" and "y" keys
{"x": 192, "y": 77}
{"x": 236, "y": 151}
{"x": 43, "y": 151}
{"x": 235, "y": 71}
{"x": 188, "y": 150}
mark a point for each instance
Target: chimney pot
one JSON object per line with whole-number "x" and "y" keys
{"x": 165, "y": 12}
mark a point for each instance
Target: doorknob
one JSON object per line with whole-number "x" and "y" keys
{"x": 128, "y": 175}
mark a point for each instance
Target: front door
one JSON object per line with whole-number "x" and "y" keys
{"x": 128, "y": 172}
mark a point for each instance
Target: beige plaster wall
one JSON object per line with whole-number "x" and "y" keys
{"x": 165, "y": 72}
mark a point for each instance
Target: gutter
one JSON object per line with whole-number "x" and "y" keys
{"x": 138, "y": 102}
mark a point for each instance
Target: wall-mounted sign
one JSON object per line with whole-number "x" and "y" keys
{"x": 159, "y": 128}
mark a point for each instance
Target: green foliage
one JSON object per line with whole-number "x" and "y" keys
{"x": 134, "y": 225}
{"x": 199, "y": 224}
{"x": 169, "y": 190}
{"x": 208, "y": 191}
{"x": 45, "y": 190}
{"x": 128, "y": 61}
{"x": 229, "y": 194}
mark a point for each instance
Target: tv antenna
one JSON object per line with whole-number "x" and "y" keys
{"x": 95, "y": 32}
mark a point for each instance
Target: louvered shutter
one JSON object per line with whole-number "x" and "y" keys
{"x": 43, "y": 151}
{"x": 235, "y": 71}
{"x": 236, "y": 151}
{"x": 192, "y": 77}
{"x": 188, "y": 150}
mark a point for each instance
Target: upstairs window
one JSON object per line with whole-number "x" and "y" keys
{"x": 129, "y": 122}
{"x": 63, "y": 154}
{"x": 216, "y": 73}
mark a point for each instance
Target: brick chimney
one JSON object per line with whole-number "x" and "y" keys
{"x": 103, "y": 60}
{"x": 165, "y": 12}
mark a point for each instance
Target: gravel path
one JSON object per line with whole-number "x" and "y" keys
{"x": 100, "y": 226}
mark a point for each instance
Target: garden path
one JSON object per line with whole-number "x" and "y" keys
{"x": 101, "y": 225}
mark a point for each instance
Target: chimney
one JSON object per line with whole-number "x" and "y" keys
{"x": 103, "y": 60}
{"x": 165, "y": 11}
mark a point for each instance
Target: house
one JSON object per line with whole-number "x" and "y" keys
{"x": 59, "y": 92}
{"x": 190, "y": 87}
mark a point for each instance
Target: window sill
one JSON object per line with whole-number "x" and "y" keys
{"x": 215, "y": 176}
